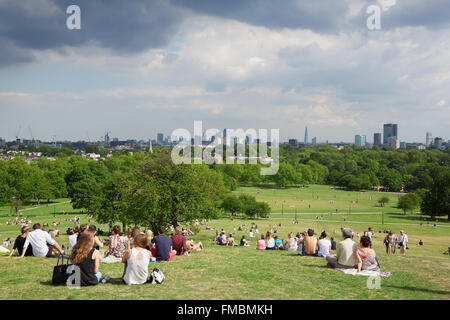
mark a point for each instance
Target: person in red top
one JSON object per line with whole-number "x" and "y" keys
{"x": 179, "y": 242}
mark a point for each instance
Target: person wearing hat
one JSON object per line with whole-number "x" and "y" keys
{"x": 345, "y": 252}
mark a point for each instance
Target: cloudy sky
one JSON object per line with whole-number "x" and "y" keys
{"x": 140, "y": 67}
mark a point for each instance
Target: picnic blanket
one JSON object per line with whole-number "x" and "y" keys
{"x": 367, "y": 273}
{"x": 111, "y": 259}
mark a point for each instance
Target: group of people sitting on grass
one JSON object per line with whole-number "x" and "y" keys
{"x": 348, "y": 253}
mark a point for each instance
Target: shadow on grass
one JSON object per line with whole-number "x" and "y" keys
{"x": 418, "y": 289}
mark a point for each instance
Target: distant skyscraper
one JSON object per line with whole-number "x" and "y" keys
{"x": 377, "y": 139}
{"x": 160, "y": 138}
{"x": 390, "y": 130}
{"x": 360, "y": 140}
{"x": 429, "y": 139}
{"x": 293, "y": 142}
{"x": 438, "y": 143}
{"x": 314, "y": 141}
{"x": 306, "y": 135}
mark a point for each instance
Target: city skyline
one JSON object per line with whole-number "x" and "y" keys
{"x": 238, "y": 68}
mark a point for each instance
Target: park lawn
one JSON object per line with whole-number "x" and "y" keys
{"x": 244, "y": 273}
{"x": 321, "y": 199}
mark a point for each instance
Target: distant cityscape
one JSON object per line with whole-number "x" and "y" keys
{"x": 388, "y": 138}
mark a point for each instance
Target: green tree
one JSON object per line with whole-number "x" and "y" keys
{"x": 408, "y": 202}
{"x": 436, "y": 202}
{"x": 383, "y": 200}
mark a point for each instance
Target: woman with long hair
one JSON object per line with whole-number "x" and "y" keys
{"x": 116, "y": 243}
{"x": 87, "y": 258}
{"x": 20, "y": 241}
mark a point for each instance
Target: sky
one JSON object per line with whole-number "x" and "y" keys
{"x": 137, "y": 67}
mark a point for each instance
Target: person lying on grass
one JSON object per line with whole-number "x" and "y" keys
{"x": 41, "y": 242}
{"x": 192, "y": 246}
{"x": 136, "y": 261}
{"x": 20, "y": 241}
{"x": 365, "y": 256}
{"x": 87, "y": 258}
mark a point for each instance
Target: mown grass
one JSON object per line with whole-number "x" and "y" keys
{"x": 316, "y": 198}
{"x": 244, "y": 273}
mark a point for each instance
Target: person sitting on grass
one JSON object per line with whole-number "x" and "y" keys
{"x": 20, "y": 241}
{"x": 278, "y": 243}
{"x": 163, "y": 250}
{"x": 324, "y": 245}
{"x": 179, "y": 242}
{"x": 448, "y": 251}
{"x": 333, "y": 244}
{"x": 136, "y": 261}
{"x": 244, "y": 242}
{"x": 116, "y": 243}
{"x": 270, "y": 241}
{"x": 261, "y": 245}
{"x": 221, "y": 239}
{"x": 87, "y": 258}
{"x": 230, "y": 240}
{"x": 345, "y": 252}
{"x": 291, "y": 243}
{"x": 309, "y": 244}
{"x": 41, "y": 242}
{"x": 73, "y": 238}
{"x": 366, "y": 257}
{"x": 420, "y": 243}
{"x": 98, "y": 244}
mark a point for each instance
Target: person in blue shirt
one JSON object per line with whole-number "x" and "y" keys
{"x": 278, "y": 243}
{"x": 220, "y": 239}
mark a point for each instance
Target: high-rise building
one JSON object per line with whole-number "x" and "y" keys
{"x": 306, "y": 135}
{"x": 293, "y": 142}
{"x": 2, "y": 142}
{"x": 314, "y": 141}
{"x": 160, "y": 138}
{"x": 360, "y": 140}
{"x": 438, "y": 143}
{"x": 429, "y": 139}
{"x": 390, "y": 130}
{"x": 394, "y": 143}
{"x": 377, "y": 139}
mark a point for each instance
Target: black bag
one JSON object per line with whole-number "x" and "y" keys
{"x": 60, "y": 271}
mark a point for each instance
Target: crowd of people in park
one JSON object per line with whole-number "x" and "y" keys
{"x": 134, "y": 248}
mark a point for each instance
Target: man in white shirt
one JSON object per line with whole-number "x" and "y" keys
{"x": 41, "y": 242}
{"x": 402, "y": 241}
{"x": 369, "y": 234}
{"x": 345, "y": 252}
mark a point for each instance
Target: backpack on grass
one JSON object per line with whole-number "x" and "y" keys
{"x": 156, "y": 277}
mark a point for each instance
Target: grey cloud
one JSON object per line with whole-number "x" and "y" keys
{"x": 123, "y": 26}
{"x": 322, "y": 16}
